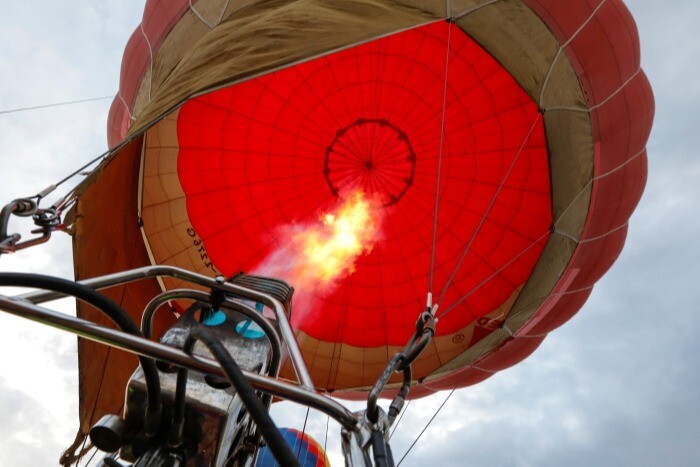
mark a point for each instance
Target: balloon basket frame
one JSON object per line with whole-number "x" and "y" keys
{"x": 364, "y": 434}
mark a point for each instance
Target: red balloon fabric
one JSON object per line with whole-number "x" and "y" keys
{"x": 403, "y": 118}
{"x": 500, "y": 146}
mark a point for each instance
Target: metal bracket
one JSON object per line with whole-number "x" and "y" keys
{"x": 425, "y": 330}
{"x": 364, "y": 434}
{"x": 48, "y": 221}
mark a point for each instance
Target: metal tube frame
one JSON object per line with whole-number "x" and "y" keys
{"x": 147, "y": 272}
{"x": 22, "y": 307}
{"x": 358, "y": 428}
{"x": 275, "y": 362}
{"x": 161, "y": 299}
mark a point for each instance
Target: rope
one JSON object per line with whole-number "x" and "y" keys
{"x": 76, "y": 450}
{"x": 488, "y": 210}
{"x": 599, "y": 104}
{"x": 565, "y": 45}
{"x": 439, "y": 171}
{"x": 81, "y": 169}
{"x": 396, "y": 425}
{"x": 325, "y": 441}
{"x": 303, "y": 430}
{"x": 91, "y": 457}
{"x": 459, "y": 263}
{"x": 426, "y": 426}
{"x": 203, "y": 19}
{"x": 445, "y": 311}
{"x": 51, "y": 188}
{"x": 56, "y": 104}
{"x": 150, "y": 60}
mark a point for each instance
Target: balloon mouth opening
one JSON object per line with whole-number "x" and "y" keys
{"x": 373, "y": 156}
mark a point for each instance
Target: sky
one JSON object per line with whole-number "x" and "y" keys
{"x": 617, "y": 385}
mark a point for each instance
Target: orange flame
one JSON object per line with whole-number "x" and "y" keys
{"x": 320, "y": 253}
{"x": 330, "y": 250}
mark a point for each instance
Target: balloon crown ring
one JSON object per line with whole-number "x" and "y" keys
{"x": 373, "y": 155}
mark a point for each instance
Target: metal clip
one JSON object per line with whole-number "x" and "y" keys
{"x": 48, "y": 221}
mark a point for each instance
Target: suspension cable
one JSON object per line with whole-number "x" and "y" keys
{"x": 403, "y": 412}
{"x": 56, "y": 104}
{"x": 94, "y": 452}
{"x": 325, "y": 441}
{"x": 488, "y": 209}
{"x": 303, "y": 431}
{"x": 51, "y": 188}
{"x": 81, "y": 169}
{"x": 464, "y": 252}
{"x": 426, "y": 426}
{"x": 439, "y": 168}
{"x": 81, "y": 453}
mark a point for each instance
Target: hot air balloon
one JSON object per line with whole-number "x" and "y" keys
{"x": 309, "y": 452}
{"x": 476, "y": 158}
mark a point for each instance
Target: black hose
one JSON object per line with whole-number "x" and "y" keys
{"x": 178, "y": 424}
{"x": 115, "y": 313}
{"x": 397, "y": 404}
{"x": 394, "y": 363}
{"x": 280, "y": 449}
{"x": 389, "y": 456}
{"x": 381, "y": 457}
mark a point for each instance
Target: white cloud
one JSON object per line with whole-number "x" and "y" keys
{"x": 617, "y": 385}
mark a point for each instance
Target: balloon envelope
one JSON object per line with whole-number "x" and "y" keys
{"x": 498, "y": 148}
{"x": 308, "y": 451}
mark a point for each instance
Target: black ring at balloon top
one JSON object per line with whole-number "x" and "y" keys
{"x": 372, "y": 154}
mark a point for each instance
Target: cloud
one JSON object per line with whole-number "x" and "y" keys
{"x": 617, "y": 385}
{"x": 26, "y": 430}
{"x": 49, "y": 52}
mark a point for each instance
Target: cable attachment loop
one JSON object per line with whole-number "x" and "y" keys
{"x": 23, "y": 207}
{"x": 425, "y": 330}
{"x": 48, "y": 220}
{"x": 401, "y": 362}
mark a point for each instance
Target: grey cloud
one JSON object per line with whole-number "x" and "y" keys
{"x": 617, "y": 385}
{"x": 26, "y": 430}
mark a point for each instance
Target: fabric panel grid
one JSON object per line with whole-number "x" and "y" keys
{"x": 578, "y": 60}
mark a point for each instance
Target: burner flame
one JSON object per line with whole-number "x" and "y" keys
{"x": 331, "y": 248}
{"x": 320, "y": 253}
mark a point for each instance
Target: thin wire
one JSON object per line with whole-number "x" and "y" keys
{"x": 454, "y": 304}
{"x": 453, "y": 390}
{"x": 89, "y": 460}
{"x": 527, "y": 137}
{"x": 396, "y": 425}
{"x": 325, "y": 441}
{"x": 76, "y": 172}
{"x": 565, "y": 45}
{"x": 81, "y": 453}
{"x": 303, "y": 430}
{"x": 439, "y": 171}
{"x": 91, "y": 457}
{"x": 109, "y": 350}
{"x": 426, "y": 426}
{"x": 57, "y": 104}
{"x": 488, "y": 209}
